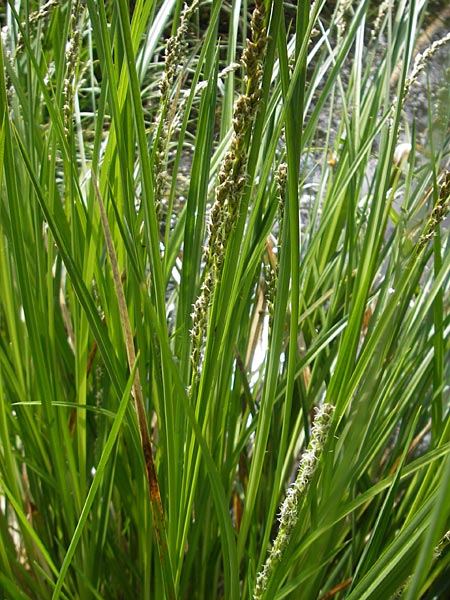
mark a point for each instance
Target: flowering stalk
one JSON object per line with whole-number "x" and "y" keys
{"x": 232, "y": 178}
{"x": 421, "y": 61}
{"x": 289, "y": 509}
{"x": 72, "y": 54}
{"x": 342, "y": 8}
{"x": 175, "y": 56}
{"x": 438, "y": 213}
{"x": 383, "y": 8}
{"x": 271, "y": 270}
{"x": 34, "y": 18}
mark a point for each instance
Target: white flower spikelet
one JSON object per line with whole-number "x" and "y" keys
{"x": 289, "y": 509}
{"x": 421, "y": 61}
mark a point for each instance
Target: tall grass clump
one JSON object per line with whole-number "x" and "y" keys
{"x": 224, "y": 300}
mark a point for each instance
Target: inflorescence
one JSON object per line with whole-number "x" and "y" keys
{"x": 175, "y": 57}
{"x": 232, "y": 178}
{"x": 290, "y": 508}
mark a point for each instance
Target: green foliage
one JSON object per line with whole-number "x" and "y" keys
{"x": 268, "y": 248}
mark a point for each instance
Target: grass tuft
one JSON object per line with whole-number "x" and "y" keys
{"x": 235, "y": 215}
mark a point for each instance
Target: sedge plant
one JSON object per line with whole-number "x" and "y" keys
{"x": 224, "y": 300}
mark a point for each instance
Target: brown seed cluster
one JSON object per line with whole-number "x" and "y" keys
{"x": 232, "y": 178}
{"x": 438, "y": 213}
